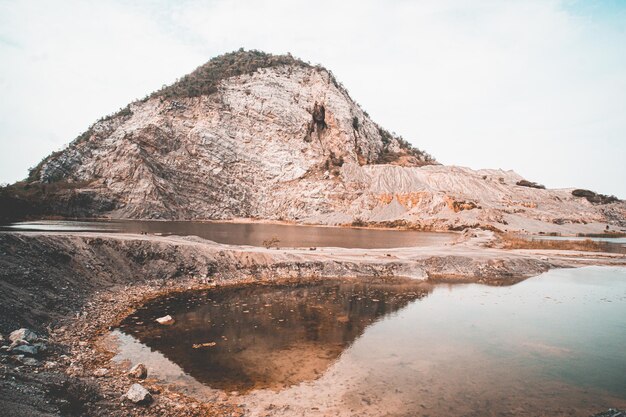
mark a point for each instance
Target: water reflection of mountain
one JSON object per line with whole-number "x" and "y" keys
{"x": 267, "y": 336}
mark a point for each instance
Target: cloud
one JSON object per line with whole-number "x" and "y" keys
{"x": 535, "y": 86}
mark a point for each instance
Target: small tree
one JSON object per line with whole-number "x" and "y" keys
{"x": 271, "y": 243}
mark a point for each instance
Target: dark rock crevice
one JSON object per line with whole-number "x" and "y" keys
{"x": 319, "y": 116}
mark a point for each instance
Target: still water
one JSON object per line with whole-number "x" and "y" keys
{"x": 253, "y": 234}
{"x": 608, "y": 244}
{"x": 551, "y": 345}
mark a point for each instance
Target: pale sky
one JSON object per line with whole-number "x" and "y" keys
{"x": 534, "y": 86}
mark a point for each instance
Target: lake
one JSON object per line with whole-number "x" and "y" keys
{"x": 254, "y": 234}
{"x": 549, "y": 345}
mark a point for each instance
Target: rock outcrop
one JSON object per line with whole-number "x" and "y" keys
{"x": 251, "y": 135}
{"x": 138, "y": 371}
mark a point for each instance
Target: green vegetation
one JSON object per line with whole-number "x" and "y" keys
{"x": 333, "y": 162}
{"x": 24, "y": 200}
{"x": 511, "y": 241}
{"x": 387, "y": 224}
{"x": 530, "y": 184}
{"x": 205, "y": 79}
{"x": 35, "y": 172}
{"x": 595, "y": 198}
{"x": 271, "y": 243}
{"x": 409, "y": 155}
{"x": 358, "y": 222}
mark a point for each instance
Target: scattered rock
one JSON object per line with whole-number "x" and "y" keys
{"x": 23, "y": 334}
{"x": 30, "y": 362}
{"x": 25, "y": 350}
{"x": 138, "y": 394}
{"x": 100, "y": 372}
{"x": 165, "y": 320}
{"x": 138, "y": 371}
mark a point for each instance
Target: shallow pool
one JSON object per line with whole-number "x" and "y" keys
{"x": 551, "y": 345}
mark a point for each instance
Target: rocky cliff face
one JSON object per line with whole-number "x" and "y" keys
{"x": 270, "y": 137}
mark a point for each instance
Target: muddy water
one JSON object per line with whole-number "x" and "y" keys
{"x": 251, "y": 233}
{"x": 550, "y": 345}
{"x": 257, "y": 337}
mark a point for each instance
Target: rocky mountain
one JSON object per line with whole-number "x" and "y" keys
{"x": 252, "y": 135}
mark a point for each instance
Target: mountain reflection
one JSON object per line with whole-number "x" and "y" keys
{"x": 260, "y": 336}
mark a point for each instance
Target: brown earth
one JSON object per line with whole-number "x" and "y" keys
{"x": 71, "y": 288}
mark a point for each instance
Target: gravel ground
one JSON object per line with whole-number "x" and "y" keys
{"x": 72, "y": 289}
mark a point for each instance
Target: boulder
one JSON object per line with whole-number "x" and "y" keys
{"x": 23, "y": 334}
{"x": 138, "y": 394}
{"x": 25, "y": 350}
{"x": 138, "y": 371}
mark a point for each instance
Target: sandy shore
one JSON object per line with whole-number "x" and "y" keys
{"x": 72, "y": 287}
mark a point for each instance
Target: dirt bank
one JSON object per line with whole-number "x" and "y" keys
{"x": 71, "y": 287}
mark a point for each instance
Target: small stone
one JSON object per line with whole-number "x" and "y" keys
{"x": 23, "y": 334}
{"x": 138, "y": 371}
{"x": 138, "y": 394}
{"x": 24, "y": 349}
{"x": 30, "y": 362}
{"x": 166, "y": 320}
{"x": 208, "y": 344}
{"x": 100, "y": 372}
